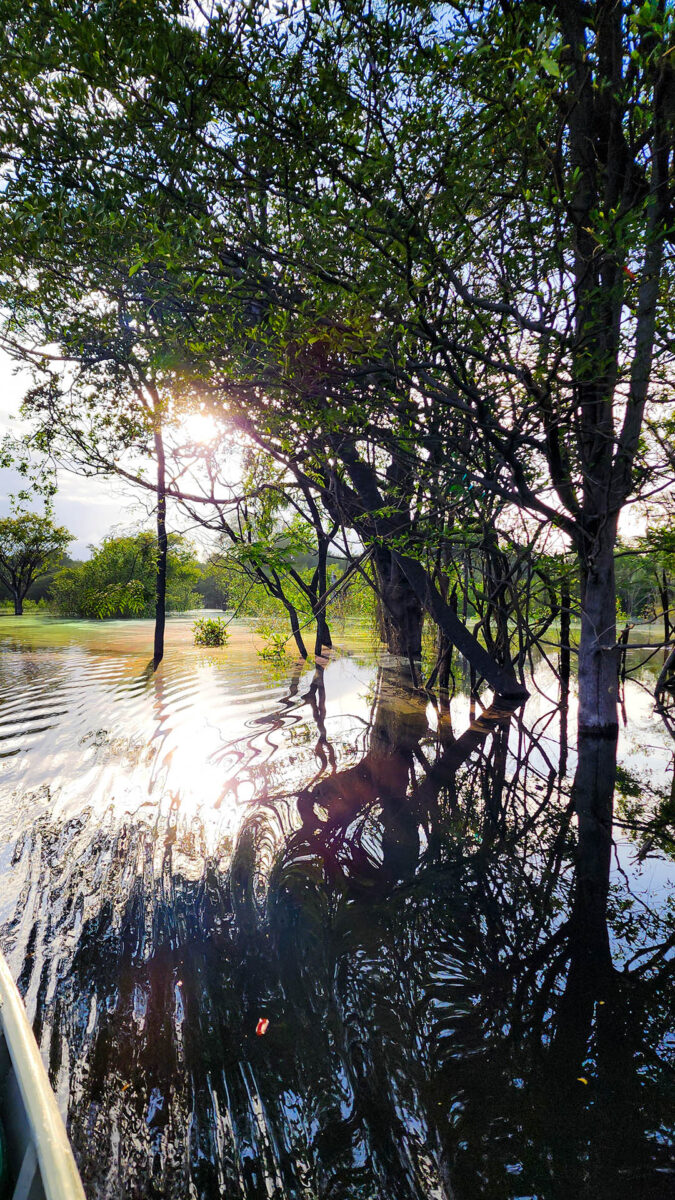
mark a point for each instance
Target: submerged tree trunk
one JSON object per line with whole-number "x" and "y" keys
{"x": 400, "y": 607}
{"x": 664, "y": 592}
{"x": 323, "y": 637}
{"x": 162, "y": 551}
{"x": 591, "y": 985}
{"x": 501, "y": 678}
{"x": 295, "y": 626}
{"x": 598, "y": 652}
{"x": 565, "y": 602}
{"x": 496, "y": 574}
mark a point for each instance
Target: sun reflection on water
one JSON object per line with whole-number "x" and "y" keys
{"x": 201, "y": 737}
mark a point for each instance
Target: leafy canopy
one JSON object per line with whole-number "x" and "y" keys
{"x": 29, "y": 546}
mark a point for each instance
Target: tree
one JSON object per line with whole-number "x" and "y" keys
{"x": 499, "y": 183}
{"x": 381, "y": 505}
{"x": 119, "y": 580}
{"x": 412, "y": 251}
{"x": 103, "y": 397}
{"x": 495, "y": 227}
{"x": 30, "y": 546}
{"x": 277, "y": 523}
{"x": 660, "y": 544}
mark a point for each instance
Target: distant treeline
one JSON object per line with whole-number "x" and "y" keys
{"x": 119, "y": 580}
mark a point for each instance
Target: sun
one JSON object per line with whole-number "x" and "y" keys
{"x": 199, "y": 428}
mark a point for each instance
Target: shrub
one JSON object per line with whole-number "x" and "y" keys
{"x": 272, "y": 631}
{"x": 210, "y": 631}
{"x": 275, "y": 648}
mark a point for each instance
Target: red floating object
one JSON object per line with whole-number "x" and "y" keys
{"x": 262, "y": 1026}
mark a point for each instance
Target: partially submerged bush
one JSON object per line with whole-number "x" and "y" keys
{"x": 210, "y": 631}
{"x": 275, "y": 648}
{"x": 275, "y": 639}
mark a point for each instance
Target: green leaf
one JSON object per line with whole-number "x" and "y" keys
{"x": 550, "y": 66}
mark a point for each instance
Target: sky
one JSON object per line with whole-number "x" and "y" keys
{"x": 89, "y": 508}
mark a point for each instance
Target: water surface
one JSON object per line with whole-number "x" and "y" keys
{"x": 469, "y": 988}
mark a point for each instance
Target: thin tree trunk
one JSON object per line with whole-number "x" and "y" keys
{"x": 665, "y": 604}
{"x": 565, "y": 664}
{"x": 667, "y": 669}
{"x": 598, "y": 652}
{"x": 445, "y": 655}
{"x": 295, "y": 626}
{"x": 323, "y": 637}
{"x": 162, "y": 550}
{"x": 623, "y": 643}
{"x": 564, "y": 641}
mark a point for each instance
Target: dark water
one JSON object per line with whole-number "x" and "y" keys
{"x": 469, "y": 984}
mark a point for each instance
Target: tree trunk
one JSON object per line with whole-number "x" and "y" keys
{"x": 162, "y": 552}
{"x": 664, "y": 592}
{"x": 401, "y": 610}
{"x": 496, "y": 572}
{"x": 445, "y": 647}
{"x": 18, "y": 605}
{"x": 667, "y": 670}
{"x": 323, "y": 637}
{"x": 598, "y": 652}
{"x": 295, "y": 627}
{"x": 501, "y": 678}
{"x": 296, "y": 631}
{"x": 565, "y": 602}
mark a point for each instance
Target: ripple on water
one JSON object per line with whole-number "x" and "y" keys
{"x": 185, "y": 851}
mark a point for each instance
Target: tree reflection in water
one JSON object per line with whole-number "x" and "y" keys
{"x": 459, "y": 1004}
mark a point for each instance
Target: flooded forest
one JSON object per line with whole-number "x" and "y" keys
{"x": 337, "y": 600}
